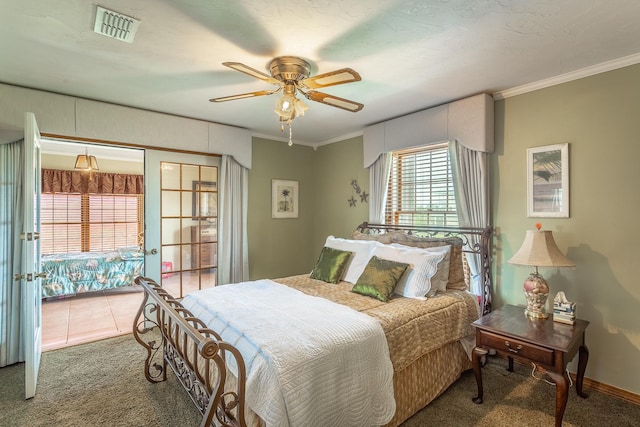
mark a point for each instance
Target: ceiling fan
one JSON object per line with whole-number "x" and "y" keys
{"x": 291, "y": 75}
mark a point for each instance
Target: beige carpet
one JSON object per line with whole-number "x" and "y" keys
{"x": 102, "y": 384}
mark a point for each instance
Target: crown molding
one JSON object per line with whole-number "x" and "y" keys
{"x": 574, "y": 75}
{"x": 341, "y": 138}
{"x": 281, "y": 139}
{"x": 314, "y": 145}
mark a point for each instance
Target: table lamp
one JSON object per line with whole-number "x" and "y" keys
{"x": 538, "y": 250}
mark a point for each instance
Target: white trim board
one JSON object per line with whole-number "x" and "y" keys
{"x": 567, "y": 77}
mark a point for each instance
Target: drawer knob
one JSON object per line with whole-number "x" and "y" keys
{"x": 512, "y": 350}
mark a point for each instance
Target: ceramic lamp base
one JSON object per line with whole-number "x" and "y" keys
{"x": 536, "y": 291}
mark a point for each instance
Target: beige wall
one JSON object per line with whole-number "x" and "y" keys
{"x": 336, "y": 166}
{"x": 281, "y": 247}
{"x": 599, "y": 117}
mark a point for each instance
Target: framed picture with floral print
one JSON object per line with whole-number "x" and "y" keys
{"x": 284, "y": 199}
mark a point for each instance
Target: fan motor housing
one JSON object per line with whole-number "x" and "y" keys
{"x": 289, "y": 68}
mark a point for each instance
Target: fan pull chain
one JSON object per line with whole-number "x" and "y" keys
{"x": 290, "y": 136}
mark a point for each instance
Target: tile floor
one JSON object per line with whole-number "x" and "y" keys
{"x": 103, "y": 314}
{"x": 88, "y": 317}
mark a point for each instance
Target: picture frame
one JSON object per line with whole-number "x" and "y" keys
{"x": 284, "y": 198}
{"x": 204, "y": 200}
{"x": 548, "y": 181}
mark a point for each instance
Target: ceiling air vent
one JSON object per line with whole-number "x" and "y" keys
{"x": 115, "y": 25}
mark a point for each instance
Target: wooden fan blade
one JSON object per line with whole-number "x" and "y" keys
{"x": 334, "y": 101}
{"x": 252, "y": 72}
{"x": 245, "y": 95}
{"x": 337, "y": 77}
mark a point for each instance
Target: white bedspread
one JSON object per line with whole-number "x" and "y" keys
{"x": 310, "y": 361}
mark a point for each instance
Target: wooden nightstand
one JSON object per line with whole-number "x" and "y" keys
{"x": 548, "y": 344}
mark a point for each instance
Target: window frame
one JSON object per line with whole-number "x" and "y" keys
{"x": 51, "y": 245}
{"x": 404, "y": 195}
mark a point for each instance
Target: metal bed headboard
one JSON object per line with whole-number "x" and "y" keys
{"x": 476, "y": 241}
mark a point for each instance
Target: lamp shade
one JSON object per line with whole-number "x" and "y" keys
{"x": 540, "y": 250}
{"x": 285, "y": 108}
{"x": 299, "y": 107}
{"x": 86, "y": 162}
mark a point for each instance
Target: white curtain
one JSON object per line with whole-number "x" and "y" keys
{"x": 11, "y": 223}
{"x": 233, "y": 258}
{"x": 471, "y": 182}
{"x": 378, "y": 183}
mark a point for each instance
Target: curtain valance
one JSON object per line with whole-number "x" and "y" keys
{"x": 469, "y": 121}
{"x": 72, "y": 181}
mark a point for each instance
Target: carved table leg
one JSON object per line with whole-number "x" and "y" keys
{"x": 477, "y": 371}
{"x": 583, "y": 358}
{"x": 562, "y": 392}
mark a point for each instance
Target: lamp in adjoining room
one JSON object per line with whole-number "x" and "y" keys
{"x": 86, "y": 162}
{"x": 538, "y": 250}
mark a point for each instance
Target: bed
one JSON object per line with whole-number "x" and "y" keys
{"x": 428, "y": 339}
{"x": 72, "y": 273}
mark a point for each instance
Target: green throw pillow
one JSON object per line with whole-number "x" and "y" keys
{"x": 331, "y": 265}
{"x": 379, "y": 278}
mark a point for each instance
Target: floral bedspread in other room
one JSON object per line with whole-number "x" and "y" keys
{"x": 72, "y": 273}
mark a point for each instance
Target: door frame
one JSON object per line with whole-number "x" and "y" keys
{"x": 31, "y": 297}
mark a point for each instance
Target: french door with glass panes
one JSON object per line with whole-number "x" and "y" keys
{"x": 187, "y": 219}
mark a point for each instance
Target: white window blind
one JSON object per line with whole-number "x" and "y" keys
{"x": 113, "y": 221}
{"x": 421, "y": 188}
{"x": 73, "y": 222}
{"x": 60, "y": 222}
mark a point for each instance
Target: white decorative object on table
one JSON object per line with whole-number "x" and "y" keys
{"x": 563, "y": 310}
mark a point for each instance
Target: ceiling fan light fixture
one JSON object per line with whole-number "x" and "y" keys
{"x": 291, "y": 74}
{"x": 285, "y": 107}
{"x": 300, "y": 107}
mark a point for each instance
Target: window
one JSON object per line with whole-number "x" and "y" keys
{"x": 61, "y": 222}
{"x": 114, "y": 221}
{"x": 421, "y": 188}
{"x": 75, "y": 222}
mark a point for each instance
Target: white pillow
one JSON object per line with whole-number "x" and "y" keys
{"x": 440, "y": 280}
{"x": 362, "y": 252}
{"x": 416, "y": 282}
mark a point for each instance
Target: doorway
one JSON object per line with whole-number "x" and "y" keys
{"x": 90, "y": 240}
{"x": 177, "y": 241}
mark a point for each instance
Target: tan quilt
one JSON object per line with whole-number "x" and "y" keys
{"x": 412, "y": 327}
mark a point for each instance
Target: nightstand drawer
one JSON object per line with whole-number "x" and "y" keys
{"x": 516, "y": 348}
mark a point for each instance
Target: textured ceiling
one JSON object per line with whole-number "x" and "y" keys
{"x": 411, "y": 54}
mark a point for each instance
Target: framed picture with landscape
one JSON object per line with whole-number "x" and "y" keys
{"x": 284, "y": 199}
{"x": 548, "y": 181}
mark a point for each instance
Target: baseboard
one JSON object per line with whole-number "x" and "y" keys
{"x": 600, "y": 387}
{"x": 608, "y": 389}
